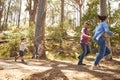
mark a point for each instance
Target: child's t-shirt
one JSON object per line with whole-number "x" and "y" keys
{"x": 84, "y": 39}
{"x": 22, "y": 46}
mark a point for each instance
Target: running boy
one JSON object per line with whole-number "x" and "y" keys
{"x": 21, "y": 50}
{"x": 84, "y": 42}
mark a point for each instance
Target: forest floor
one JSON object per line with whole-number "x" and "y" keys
{"x": 58, "y": 70}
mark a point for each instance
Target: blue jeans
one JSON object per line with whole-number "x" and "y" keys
{"x": 103, "y": 50}
{"x": 85, "y": 52}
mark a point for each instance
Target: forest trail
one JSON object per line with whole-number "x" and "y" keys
{"x": 58, "y": 70}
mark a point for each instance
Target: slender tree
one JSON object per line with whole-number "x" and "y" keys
{"x": 62, "y": 20}
{"x": 32, "y": 8}
{"x": 19, "y": 13}
{"x": 1, "y": 10}
{"x": 80, "y": 4}
{"x": 8, "y": 10}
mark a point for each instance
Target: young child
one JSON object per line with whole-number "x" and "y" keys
{"x": 40, "y": 49}
{"x": 84, "y": 42}
{"x": 21, "y": 50}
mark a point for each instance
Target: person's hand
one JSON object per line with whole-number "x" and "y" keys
{"x": 89, "y": 37}
{"x": 116, "y": 34}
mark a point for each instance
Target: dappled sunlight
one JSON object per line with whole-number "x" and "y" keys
{"x": 62, "y": 65}
{"x": 80, "y": 75}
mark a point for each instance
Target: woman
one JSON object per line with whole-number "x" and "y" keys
{"x": 100, "y": 39}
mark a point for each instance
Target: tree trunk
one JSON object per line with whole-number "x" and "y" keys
{"x": 62, "y": 20}
{"x": 80, "y": 4}
{"x": 8, "y": 10}
{"x": 53, "y": 17}
{"x": 40, "y": 25}
{"x": 1, "y": 11}
{"x": 32, "y": 11}
{"x": 80, "y": 12}
{"x": 19, "y": 14}
{"x": 103, "y": 12}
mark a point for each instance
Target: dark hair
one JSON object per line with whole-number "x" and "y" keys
{"x": 87, "y": 23}
{"x": 102, "y": 18}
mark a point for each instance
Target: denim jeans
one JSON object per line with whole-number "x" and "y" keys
{"x": 85, "y": 52}
{"x": 103, "y": 50}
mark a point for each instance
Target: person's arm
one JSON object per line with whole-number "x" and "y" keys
{"x": 83, "y": 33}
{"x": 105, "y": 26}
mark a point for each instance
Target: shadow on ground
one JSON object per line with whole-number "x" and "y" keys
{"x": 55, "y": 73}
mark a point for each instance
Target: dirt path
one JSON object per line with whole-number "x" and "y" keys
{"x": 58, "y": 70}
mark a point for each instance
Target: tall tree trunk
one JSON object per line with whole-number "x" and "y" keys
{"x": 32, "y": 10}
{"x": 80, "y": 12}
{"x": 62, "y": 20}
{"x": 103, "y": 12}
{"x": 53, "y": 17}
{"x": 19, "y": 14}
{"x": 40, "y": 25}
{"x": 80, "y": 4}
{"x": 8, "y": 10}
{"x": 1, "y": 11}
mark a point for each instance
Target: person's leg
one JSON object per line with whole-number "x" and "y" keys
{"x": 102, "y": 48}
{"x": 88, "y": 50}
{"x": 16, "y": 57}
{"x": 84, "y": 51}
{"x": 107, "y": 51}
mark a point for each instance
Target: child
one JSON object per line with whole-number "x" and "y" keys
{"x": 84, "y": 43}
{"x": 21, "y": 50}
{"x": 40, "y": 49}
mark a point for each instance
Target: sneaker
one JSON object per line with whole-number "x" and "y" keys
{"x": 81, "y": 64}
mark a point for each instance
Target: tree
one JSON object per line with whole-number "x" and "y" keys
{"x": 1, "y": 10}
{"x": 32, "y": 10}
{"x": 80, "y": 4}
{"x": 19, "y": 13}
{"x": 40, "y": 24}
{"x": 8, "y": 10}
{"x": 62, "y": 19}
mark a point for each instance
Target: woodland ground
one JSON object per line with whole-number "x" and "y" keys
{"x": 58, "y": 70}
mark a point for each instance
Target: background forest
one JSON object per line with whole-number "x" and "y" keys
{"x": 61, "y": 30}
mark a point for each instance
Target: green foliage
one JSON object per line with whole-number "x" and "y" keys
{"x": 62, "y": 56}
{"x": 114, "y": 23}
{"x": 56, "y": 33}
{"x": 14, "y": 36}
{"x": 4, "y": 50}
{"x": 30, "y": 31}
{"x": 14, "y": 40}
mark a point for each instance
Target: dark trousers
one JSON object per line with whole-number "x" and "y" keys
{"x": 103, "y": 50}
{"x": 85, "y": 52}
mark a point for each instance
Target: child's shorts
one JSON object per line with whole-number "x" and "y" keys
{"x": 21, "y": 53}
